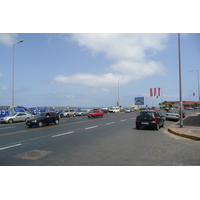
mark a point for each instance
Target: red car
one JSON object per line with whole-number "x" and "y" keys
{"x": 95, "y": 113}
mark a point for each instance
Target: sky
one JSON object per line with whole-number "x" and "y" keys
{"x": 88, "y": 69}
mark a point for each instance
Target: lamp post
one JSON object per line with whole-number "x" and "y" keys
{"x": 180, "y": 82}
{"x": 118, "y": 89}
{"x": 198, "y": 81}
{"x": 13, "y": 90}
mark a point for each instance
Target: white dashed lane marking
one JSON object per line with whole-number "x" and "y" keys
{"x": 91, "y": 127}
{"x": 62, "y": 134}
{"x": 10, "y": 146}
{"x": 110, "y": 123}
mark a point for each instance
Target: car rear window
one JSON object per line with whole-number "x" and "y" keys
{"x": 151, "y": 114}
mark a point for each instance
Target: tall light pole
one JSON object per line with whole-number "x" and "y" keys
{"x": 198, "y": 81}
{"x": 180, "y": 82}
{"x": 118, "y": 89}
{"x": 13, "y": 90}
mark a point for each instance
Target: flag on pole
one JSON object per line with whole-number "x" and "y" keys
{"x": 151, "y": 92}
{"x": 154, "y": 92}
{"x": 158, "y": 91}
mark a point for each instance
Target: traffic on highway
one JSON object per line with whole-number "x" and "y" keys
{"x": 109, "y": 140}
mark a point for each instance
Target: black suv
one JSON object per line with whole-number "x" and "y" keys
{"x": 150, "y": 118}
{"x": 43, "y": 118}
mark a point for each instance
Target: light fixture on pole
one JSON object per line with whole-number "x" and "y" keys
{"x": 118, "y": 89}
{"x": 13, "y": 90}
{"x": 198, "y": 81}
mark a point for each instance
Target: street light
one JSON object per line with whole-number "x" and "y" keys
{"x": 13, "y": 76}
{"x": 198, "y": 81}
{"x": 118, "y": 89}
{"x": 180, "y": 81}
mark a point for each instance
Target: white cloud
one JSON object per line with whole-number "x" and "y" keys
{"x": 130, "y": 54}
{"x": 8, "y": 38}
{"x": 3, "y": 87}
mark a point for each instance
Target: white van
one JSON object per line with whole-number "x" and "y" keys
{"x": 114, "y": 109}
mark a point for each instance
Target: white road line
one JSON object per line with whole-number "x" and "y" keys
{"x": 110, "y": 123}
{"x": 8, "y": 127}
{"x": 123, "y": 120}
{"x": 62, "y": 134}
{"x": 10, "y": 146}
{"x": 91, "y": 127}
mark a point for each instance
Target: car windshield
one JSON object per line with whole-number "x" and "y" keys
{"x": 40, "y": 114}
{"x": 146, "y": 114}
{"x": 13, "y": 114}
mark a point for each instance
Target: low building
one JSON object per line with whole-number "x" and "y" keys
{"x": 176, "y": 104}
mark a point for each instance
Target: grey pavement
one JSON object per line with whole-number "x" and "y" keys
{"x": 190, "y": 129}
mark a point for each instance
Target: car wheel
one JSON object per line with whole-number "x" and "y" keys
{"x": 137, "y": 127}
{"x": 157, "y": 126}
{"x": 56, "y": 122}
{"x": 163, "y": 124}
{"x": 61, "y": 116}
{"x": 10, "y": 121}
{"x": 39, "y": 124}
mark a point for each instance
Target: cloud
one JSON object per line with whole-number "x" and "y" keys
{"x": 101, "y": 80}
{"x": 3, "y": 87}
{"x": 130, "y": 54}
{"x": 8, "y": 39}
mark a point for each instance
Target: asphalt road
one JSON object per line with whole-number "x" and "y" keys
{"x": 108, "y": 141}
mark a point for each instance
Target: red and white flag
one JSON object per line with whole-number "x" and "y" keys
{"x": 154, "y": 92}
{"x": 158, "y": 91}
{"x": 151, "y": 92}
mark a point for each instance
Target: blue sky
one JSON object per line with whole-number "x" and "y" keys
{"x": 84, "y": 69}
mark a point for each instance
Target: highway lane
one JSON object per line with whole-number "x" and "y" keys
{"x": 13, "y": 134}
{"x": 79, "y": 141}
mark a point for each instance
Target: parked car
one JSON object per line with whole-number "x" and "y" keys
{"x": 81, "y": 112}
{"x": 43, "y": 118}
{"x": 95, "y": 113}
{"x": 16, "y": 117}
{"x": 68, "y": 113}
{"x": 174, "y": 114}
{"x": 150, "y": 118}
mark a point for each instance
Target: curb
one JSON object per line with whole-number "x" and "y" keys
{"x": 183, "y": 135}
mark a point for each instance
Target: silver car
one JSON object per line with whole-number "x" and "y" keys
{"x": 16, "y": 117}
{"x": 81, "y": 113}
{"x": 68, "y": 113}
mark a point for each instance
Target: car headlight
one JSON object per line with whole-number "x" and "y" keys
{"x": 34, "y": 121}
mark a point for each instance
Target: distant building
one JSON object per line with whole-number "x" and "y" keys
{"x": 176, "y": 104}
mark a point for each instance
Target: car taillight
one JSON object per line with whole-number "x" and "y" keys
{"x": 155, "y": 119}
{"x": 137, "y": 118}
{"x": 177, "y": 115}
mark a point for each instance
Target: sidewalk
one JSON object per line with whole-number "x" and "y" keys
{"x": 190, "y": 129}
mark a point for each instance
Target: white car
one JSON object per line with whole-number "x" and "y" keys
{"x": 16, "y": 117}
{"x": 174, "y": 115}
{"x": 127, "y": 111}
{"x": 68, "y": 113}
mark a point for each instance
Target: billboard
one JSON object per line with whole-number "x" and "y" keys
{"x": 139, "y": 100}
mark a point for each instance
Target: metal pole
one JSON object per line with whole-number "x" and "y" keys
{"x": 180, "y": 83}
{"x": 198, "y": 85}
{"x": 13, "y": 84}
{"x": 118, "y": 91}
